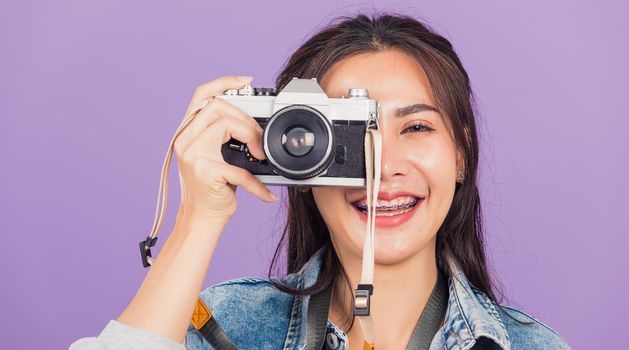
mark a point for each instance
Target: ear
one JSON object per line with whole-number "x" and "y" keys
{"x": 460, "y": 162}
{"x": 460, "y": 158}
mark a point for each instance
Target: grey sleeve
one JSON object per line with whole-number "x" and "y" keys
{"x": 119, "y": 336}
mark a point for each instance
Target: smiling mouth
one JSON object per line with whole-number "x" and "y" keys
{"x": 392, "y": 208}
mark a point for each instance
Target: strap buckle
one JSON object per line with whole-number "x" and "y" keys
{"x": 145, "y": 249}
{"x": 372, "y": 122}
{"x": 362, "y": 299}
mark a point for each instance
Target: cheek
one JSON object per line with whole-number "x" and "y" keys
{"x": 337, "y": 214}
{"x": 438, "y": 166}
{"x": 436, "y": 161}
{"x": 331, "y": 204}
{"x": 433, "y": 165}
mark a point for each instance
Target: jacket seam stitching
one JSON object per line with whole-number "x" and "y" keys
{"x": 532, "y": 318}
{"x": 464, "y": 317}
{"x": 294, "y": 323}
{"x": 493, "y": 312}
{"x": 246, "y": 280}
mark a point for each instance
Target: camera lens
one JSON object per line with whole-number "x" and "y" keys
{"x": 298, "y": 141}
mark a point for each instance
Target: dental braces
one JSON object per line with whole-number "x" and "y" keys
{"x": 388, "y": 207}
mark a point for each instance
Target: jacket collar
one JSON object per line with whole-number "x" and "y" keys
{"x": 470, "y": 313}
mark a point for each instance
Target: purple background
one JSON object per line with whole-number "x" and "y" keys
{"x": 91, "y": 92}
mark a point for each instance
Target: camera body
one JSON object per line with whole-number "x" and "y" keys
{"x": 309, "y": 139}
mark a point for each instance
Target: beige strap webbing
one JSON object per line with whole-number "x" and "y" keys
{"x": 162, "y": 196}
{"x": 373, "y": 154}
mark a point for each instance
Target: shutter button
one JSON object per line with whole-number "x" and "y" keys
{"x": 332, "y": 341}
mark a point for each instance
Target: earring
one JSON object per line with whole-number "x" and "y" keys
{"x": 460, "y": 175}
{"x": 303, "y": 189}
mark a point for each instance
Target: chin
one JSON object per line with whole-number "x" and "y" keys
{"x": 386, "y": 256}
{"x": 389, "y": 250}
{"x": 393, "y": 245}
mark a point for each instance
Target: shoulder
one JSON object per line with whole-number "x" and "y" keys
{"x": 241, "y": 306}
{"x": 533, "y": 334}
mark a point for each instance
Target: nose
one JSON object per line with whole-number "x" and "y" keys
{"x": 393, "y": 164}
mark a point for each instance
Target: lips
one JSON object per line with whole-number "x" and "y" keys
{"x": 392, "y": 208}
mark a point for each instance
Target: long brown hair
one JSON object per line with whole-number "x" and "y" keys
{"x": 461, "y": 234}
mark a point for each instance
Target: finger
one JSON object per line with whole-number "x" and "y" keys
{"x": 206, "y": 91}
{"x": 215, "y": 110}
{"x": 232, "y": 110}
{"x": 241, "y": 177}
{"x": 208, "y": 144}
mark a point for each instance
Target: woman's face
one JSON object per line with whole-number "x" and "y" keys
{"x": 419, "y": 159}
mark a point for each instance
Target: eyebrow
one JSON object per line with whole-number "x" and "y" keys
{"x": 416, "y": 108}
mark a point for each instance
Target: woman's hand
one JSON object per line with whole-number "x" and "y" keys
{"x": 208, "y": 183}
{"x": 208, "y": 201}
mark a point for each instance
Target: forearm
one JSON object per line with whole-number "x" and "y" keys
{"x": 165, "y": 300}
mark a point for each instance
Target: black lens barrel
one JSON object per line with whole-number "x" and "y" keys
{"x": 290, "y": 150}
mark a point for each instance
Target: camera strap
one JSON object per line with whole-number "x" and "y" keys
{"x": 427, "y": 325}
{"x": 362, "y": 294}
{"x": 429, "y": 321}
{"x": 162, "y": 195}
{"x": 317, "y": 318}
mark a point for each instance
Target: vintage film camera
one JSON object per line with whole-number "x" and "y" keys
{"x": 309, "y": 139}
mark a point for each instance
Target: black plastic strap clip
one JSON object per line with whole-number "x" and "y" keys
{"x": 362, "y": 299}
{"x": 145, "y": 249}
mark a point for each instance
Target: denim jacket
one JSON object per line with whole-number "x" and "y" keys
{"x": 255, "y": 315}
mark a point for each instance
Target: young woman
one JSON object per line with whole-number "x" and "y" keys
{"x": 428, "y": 223}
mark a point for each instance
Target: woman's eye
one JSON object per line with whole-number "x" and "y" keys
{"x": 417, "y": 128}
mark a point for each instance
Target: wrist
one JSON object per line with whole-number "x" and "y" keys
{"x": 189, "y": 221}
{"x": 188, "y": 214}
{"x": 194, "y": 222}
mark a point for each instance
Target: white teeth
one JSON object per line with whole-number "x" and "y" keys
{"x": 401, "y": 202}
{"x": 393, "y": 212}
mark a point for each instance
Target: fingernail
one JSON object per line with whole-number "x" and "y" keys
{"x": 273, "y": 196}
{"x": 245, "y": 78}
